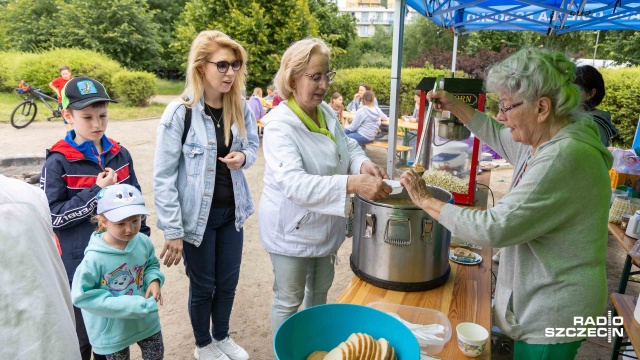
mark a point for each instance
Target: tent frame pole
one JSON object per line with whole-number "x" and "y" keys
{"x": 455, "y": 54}
{"x": 396, "y": 70}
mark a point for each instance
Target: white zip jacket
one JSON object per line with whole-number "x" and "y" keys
{"x": 304, "y": 201}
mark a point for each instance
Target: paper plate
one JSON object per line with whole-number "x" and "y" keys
{"x": 458, "y": 260}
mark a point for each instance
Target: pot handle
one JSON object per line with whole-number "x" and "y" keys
{"x": 370, "y": 225}
{"x": 349, "y": 227}
{"x": 398, "y": 231}
{"x": 427, "y": 226}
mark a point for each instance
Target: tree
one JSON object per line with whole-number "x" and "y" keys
{"x": 165, "y": 14}
{"x": 28, "y": 25}
{"x": 621, "y": 46}
{"x": 337, "y": 30}
{"x": 265, "y": 29}
{"x": 123, "y": 29}
{"x": 423, "y": 34}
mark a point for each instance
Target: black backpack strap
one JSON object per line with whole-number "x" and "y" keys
{"x": 187, "y": 124}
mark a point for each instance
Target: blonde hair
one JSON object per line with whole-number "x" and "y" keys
{"x": 204, "y": 45}
{"x": 295, "y": 60}
{"x": 257, "y": 91}
{"x": 101, "y": 220}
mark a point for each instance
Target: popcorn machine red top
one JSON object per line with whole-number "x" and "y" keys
{"x": 448, "y": 145}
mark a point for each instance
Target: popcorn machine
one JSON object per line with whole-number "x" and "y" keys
{"x": 445, "y": 144}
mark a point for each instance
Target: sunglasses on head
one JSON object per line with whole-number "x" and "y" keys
{"x": 223, "y": 66}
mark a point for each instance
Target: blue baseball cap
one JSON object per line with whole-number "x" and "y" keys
{"x": 120, "y": 201}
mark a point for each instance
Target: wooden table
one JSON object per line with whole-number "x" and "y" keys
{"x": 625, "y": 305}
{"x": 465, "y": 297}
{"x": 627, "y": 243}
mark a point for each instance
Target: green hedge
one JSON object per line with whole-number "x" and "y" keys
{"x": 622, "y": 87}
{"x": 348, "y": 81}
{"x": 9, "y": 61}
{"x": 135, "y": 88}
{"x": 38, "y": 69}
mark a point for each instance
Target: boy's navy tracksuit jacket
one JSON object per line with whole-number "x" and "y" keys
{"x": 69, "y": 181}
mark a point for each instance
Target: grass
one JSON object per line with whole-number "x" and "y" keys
{"x": 8, "y": 101}
{"x": 169, "y": 87}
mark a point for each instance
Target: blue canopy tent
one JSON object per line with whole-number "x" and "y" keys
{"x": 550, "y": 16}
{"x": 544, "y": 16}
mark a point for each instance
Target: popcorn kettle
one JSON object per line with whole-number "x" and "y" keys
{"x": 633, "y": 228}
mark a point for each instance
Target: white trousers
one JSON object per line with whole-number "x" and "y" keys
{"x": 298, "y": 279}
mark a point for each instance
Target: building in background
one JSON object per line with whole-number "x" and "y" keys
{"x": 371, "y": 13}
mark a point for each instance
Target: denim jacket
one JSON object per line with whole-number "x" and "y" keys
{"x": 184, "y": 175}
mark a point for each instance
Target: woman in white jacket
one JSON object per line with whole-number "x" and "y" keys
{"x": 366, "y": 123}
{"x": 307, "y": 183}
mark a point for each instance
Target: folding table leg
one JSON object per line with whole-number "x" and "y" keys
{"x": 624, "y": 278}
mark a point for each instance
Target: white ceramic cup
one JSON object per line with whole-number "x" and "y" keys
{"x": 396, "y": 187}
{"x": 472, "y": 338}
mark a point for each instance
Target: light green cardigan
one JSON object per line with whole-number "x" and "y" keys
{"x": 552, "y": 227}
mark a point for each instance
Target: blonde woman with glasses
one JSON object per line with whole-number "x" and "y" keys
{"x": 201, "y": 194}
{"x": 311, "y": 169}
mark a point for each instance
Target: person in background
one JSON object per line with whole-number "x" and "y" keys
{"x": 117, "y": 284}
{"x": 255, "y": 102}
{"x": 546, "y": 268}
{"x": 336, "y": 105}
{"x": 356, "y": 103}
{"x": 366, "y": 123}
{"x": 57, "y": 85}
{"x": 591, "y": 86}
{"x": 276, "y": 99}
{"x": 270, "y": 93}
{"x": 201, "y": 194}
{"x": 311, "y": 167}
{"x": 76, "y": 169}
{"x": 37, "y": 318}
{"x": 413, "y": 134}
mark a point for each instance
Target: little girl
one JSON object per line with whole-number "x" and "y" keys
{"x": 366, "y": 123}
{"x": 117, "y": 284}
{"x": 336, "y": 105}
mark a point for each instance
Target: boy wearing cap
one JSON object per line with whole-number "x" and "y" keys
{"x": 76, "y": 169}
{"x": 117, "y": 284}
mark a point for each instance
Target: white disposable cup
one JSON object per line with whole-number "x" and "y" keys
{"x": 472, "y": 338}
{"x": 396, "y": 187}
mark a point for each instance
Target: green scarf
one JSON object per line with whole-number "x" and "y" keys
{"x": 307, "y": 121}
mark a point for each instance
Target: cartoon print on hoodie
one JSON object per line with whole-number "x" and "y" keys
{"x": 139, "y": 270}
{"x": 119, "y": 280}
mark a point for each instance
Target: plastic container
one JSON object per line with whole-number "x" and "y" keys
{"x": 323, "y": 327}
{"x": 420, "y": 316}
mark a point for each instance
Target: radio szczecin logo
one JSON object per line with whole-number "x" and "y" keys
{"x": 600, "y": 326}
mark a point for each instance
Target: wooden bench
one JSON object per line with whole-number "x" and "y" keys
{"x": 401, "y": 150}
{"x": 260, "y": 127}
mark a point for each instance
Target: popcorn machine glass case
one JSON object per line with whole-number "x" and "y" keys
{"x": 451, "y": 147}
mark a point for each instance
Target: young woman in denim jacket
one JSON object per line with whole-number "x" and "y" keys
{"x": 202, "y": 197}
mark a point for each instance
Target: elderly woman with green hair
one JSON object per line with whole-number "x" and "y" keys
{"x": 552, "y": 225}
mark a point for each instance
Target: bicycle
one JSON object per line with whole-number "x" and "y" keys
{"x": 26, "y": 111}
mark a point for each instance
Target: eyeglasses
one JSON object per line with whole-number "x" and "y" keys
{"x": 504, "y": 110}
{"x": 223, "y": 66}
{"x": 318, "y": 77}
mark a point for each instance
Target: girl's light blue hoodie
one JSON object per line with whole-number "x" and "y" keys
{"x": 109, "y": 286}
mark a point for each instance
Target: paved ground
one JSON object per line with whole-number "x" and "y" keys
{"x": 250, "y": 318}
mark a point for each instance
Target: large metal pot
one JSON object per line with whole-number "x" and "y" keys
{"x": 453, "y": 129}
{"x": 398, "y": 246}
